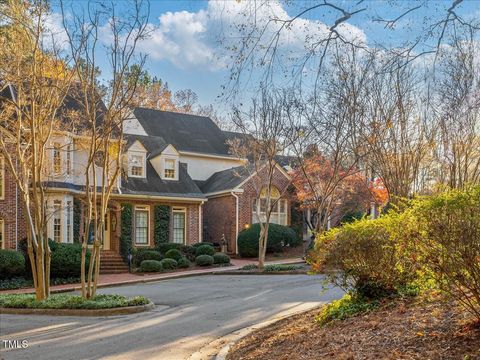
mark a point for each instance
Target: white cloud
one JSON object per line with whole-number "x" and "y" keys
{"x": 191, "y": 39}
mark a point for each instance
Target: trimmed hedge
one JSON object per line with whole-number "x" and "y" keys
{"x": 77, "y": 219}
{"x": 151, "y": 266}
{"x": 202, "y": 243}
{"x": 278, "y": 236}
{"x": 169, "y": 264}
{"x": 146, "y": 254}
{"x": 205, "y": 250}
{"x": 164, "y": 247}
{"x": 221, "y": 258}
{"x": 12, "y": 263}
{"x": 161, "y": 217}
{"x": 126, "y": 232}
{"x": 204, "y": 260}
{"x": 183, "y": 262}
{"x": 66, "y": 260}
{"x": 173, "y": 254}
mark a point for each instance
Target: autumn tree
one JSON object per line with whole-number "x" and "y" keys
{"x": 34, "y": 84}
{"x": 102, "y": 115}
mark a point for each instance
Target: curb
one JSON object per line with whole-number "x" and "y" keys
{"x": 237, "y": 335}
{"x": 232, "y": 270}
{"x": 80, "y": 312}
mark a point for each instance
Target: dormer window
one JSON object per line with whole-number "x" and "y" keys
{"x": 136, "y": 164}
{"x": 169, "y": 168}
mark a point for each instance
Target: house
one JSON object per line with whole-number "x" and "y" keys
{"x": 175, "y": 162}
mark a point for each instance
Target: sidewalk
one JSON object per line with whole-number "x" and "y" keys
{"x": 108, "y": 280}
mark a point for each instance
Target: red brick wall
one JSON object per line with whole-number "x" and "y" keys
{"x": 219, "y": 214}
{"x": 8, "y": 212}
{"x": 191, "y": 218}
{"x": 219, "y": 219}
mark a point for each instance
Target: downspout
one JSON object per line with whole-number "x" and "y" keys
{"x": 236, "y": 221}
{"x": 200, "y": 222}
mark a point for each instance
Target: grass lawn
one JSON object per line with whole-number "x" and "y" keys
{"x": 401, "y": 329}
{"x": 64, "y": 301}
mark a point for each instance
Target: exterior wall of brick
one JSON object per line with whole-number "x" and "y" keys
{"x": 192, "y": 213}
{"x": 219, "y": 219}
{"x": 220, "y": 212}
{"x": 11, "y": 212}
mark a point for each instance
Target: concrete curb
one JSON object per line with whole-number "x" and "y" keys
{"x": 237, "y": 335}
{"x": 80, "y": 312}
{"x": 233, "y": 271}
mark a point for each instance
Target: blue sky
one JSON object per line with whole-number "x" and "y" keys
{"x": 184, "y": 51}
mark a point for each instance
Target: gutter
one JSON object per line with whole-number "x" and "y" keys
{"x": 200, "y": 221}
{"x": 236, "y": 221}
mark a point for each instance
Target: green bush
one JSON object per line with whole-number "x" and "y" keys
{"x": 221, "y": 258}
{"x": 205, "y": 250}
{"x": 369, "y": 257}
{"x": 448, "y": 240}
{"x": 278, "y": 236}
{"x": 151, "y": 266}
{"x": 126, "y": 231}
{"x": 12, "y": 263}
{"x": 169, "y": 264}
{"x": 145, "y": 254}
{"x": 280, "y": 267}
{"x": 183, "y": 262}
{"x": 202, "y": 243}
{"x": 66, "y": 260}
{"x": 164, "y": 247}
{"x": 250, "y": 267}
{"x": 344, "y": 308}
{"x": 204, "y": 260}
{"x": 189, "y": 252}
{"x": 67, "y": 301}
{"x": 173, "y": 254}
{"x": 161, "y": 229}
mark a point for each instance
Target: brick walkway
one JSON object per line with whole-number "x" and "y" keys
{"x": 126, "y": 278}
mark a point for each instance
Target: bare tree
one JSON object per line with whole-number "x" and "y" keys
{"x": 458, "y": 111}
{"x": 34, "y": 84}
{"x": 103, "y": 114}
{"x": 264, "y": 129}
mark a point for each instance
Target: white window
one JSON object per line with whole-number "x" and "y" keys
{"x": 142, "y": 216}
{"x": 2, "y": 178}
{"x": 179, "y": 223}
{"x": 279, "y": 208}
{"x": 169, "y": 168}
{"x": 2, "y": 236}
{"x": 57, "y": 221}
{"x": 69, "y": 221}
{"x": 57, "y": 158}
{"x": 136, "y": 164}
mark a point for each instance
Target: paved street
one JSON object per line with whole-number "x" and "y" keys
{"x": 190, "y": 313}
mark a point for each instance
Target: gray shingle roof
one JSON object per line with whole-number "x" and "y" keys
{"x": 185, "y": 132}
{"x": 225, "y": 180}
{"x": 154, "y": 185}
{"x": 154, "y": 144}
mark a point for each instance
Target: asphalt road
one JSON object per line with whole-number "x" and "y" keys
{"x": 190, "y": 313}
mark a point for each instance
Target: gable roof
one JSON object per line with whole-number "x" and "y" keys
{"x": 154, "y": 144}
{"x": 184, "y": 131}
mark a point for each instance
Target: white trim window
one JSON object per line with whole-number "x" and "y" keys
{"x": 2, "y": 234}
{"x": 179, "y": 225}
{"x": 57, "y": 221}
{"x": 169, "y": 171}
{"x": 142, "y": 222}
{"x": 137, "y": 164}
{"x": 57, "y": 158}
{"x": 279, "y": 210}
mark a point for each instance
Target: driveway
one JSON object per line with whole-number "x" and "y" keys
{"x": 190, "y": 313}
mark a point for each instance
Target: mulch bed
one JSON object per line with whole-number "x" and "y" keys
{"x": 427, "y": 329}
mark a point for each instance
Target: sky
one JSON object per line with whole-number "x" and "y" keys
{"x": 184, "y": 50}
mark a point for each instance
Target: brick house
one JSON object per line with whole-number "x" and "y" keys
{"x": 175, "y": 161}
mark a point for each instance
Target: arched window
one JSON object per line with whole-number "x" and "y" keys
{"x": 279, "y": 207}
